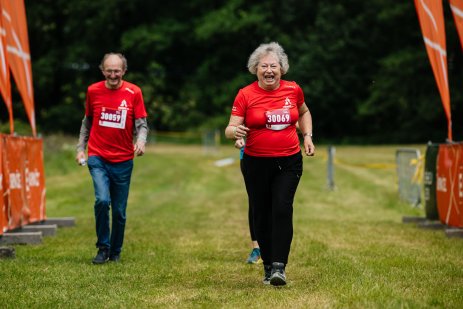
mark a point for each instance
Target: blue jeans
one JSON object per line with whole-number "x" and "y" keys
{"x": 111, "y": 182}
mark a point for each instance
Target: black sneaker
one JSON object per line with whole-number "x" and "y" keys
{"x": 101, "y": 257}
{"x": 278, "y": 276}
{"x": 267, "y": 274}
{"x": 115, "y": 258}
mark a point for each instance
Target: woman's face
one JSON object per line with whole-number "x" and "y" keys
{"x": 269, "y": 72}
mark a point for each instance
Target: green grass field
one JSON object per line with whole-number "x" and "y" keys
{"x": 187, "y": 240}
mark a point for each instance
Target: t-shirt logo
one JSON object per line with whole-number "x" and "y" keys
{"x": 287, "y": 103}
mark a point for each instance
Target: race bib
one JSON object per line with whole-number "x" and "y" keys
{"x": 278, "y": 119}
{"x": 113, "y": 118}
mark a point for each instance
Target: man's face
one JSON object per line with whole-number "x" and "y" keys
{"x": 113, "y": 71}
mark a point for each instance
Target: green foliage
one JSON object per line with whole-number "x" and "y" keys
{"x": 362, "y": 65}
{"x": 20, "y": 127}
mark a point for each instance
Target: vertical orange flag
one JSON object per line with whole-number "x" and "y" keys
{"x": 431, "y": 17}
{"x": 19, "y": 60}
{"x": 457, "y": 11}
{"x": 5, "y": 84}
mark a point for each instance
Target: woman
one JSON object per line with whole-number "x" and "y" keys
{"x": 272, "y": 160}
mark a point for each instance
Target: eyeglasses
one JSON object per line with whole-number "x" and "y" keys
{"x": 109, "y": 72}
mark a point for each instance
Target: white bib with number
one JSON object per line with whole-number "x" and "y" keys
{"x": 278, "y": 119}
{"x": 113, "y": 118}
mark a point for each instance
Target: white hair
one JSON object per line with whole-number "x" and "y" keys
{"x": 264, "y": 50}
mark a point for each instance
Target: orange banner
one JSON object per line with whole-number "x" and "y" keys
{"x": 5, "y": 83}
{"x": 14, "y": 158}
{"x": 456, "y": 7}
{"x": 35, "y": 179}
{"x": 449, "y": 184}
{"x": 19, "y": 60}
{"x": 3, "y": 218}
{"x": 431, "y": 17}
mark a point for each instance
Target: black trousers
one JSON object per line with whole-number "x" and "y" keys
{"x": 271, "y": 184}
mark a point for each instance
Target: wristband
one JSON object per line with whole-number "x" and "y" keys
{"x": 307, "y": 134}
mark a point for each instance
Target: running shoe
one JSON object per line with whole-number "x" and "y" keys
{"x": 101, "y": 257}
{"x": 278, "y": 276}
{"x": 267, "y": 274}
{"x": 254, "y": 256}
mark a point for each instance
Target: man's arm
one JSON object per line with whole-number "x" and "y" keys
{"x": 141, "y": 130}
{"x": 83, "y": 138}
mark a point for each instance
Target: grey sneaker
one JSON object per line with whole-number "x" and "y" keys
{"x": 278, "y": 275}
{"x": 101, "y": 257}
{"x": 267, "y": 274}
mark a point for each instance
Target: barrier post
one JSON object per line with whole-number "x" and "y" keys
{"x": 330, "y": 168}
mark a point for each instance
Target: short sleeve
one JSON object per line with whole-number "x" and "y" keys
{"x": 139, "y": 105}
{"x": 239, "y": 105}
{"x": 88, "y": 105}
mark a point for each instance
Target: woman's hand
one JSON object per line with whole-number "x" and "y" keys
{"x": 240, "y": 132}
{"x": 309, "y": 147}
{"x": 239, "y": 143}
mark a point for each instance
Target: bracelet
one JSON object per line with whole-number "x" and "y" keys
{"x": 307, "y": 134}
{"x": 234, "y": 132}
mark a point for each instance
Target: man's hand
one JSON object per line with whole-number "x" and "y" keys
{"x": 80, "y": 157}
{"x": 139, "y": 148}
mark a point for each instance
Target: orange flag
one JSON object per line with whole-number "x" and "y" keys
{"x": 19, "y": 60}
{"x": 457, "y": 11}
{"x": 431, "y": 17}
{"x": 3, "y": 192}
{"x": 5, "y": 84}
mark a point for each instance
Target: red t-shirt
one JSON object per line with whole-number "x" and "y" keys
{"x": 271, "y": 117}
{"x": 114, "y": 112}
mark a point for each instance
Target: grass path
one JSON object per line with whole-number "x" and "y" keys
{"x": 187, "y": 240}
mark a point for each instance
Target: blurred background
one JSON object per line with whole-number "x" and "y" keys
{"x": 362, "y": 64}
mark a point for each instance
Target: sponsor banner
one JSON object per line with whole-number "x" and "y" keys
{"x": 14, "y": 163}
{"x": 35, "y": 179}
{"x": 3, "y": 218}
{"x": 449, "y": 184}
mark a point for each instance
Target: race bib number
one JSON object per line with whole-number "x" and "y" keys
{"x": 278, "y": 119}
{"x": 113, "y": 118}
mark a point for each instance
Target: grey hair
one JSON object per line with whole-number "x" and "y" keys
{"x": 121, "y": 56}
{"x": 264, "y": 50}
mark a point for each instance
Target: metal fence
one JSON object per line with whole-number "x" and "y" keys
{"x": 409, "y": 168}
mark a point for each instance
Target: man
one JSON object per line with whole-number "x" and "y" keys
{"x": 114, "y": 109}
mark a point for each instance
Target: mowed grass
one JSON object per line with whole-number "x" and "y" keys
{"x": 187, "y": 239}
